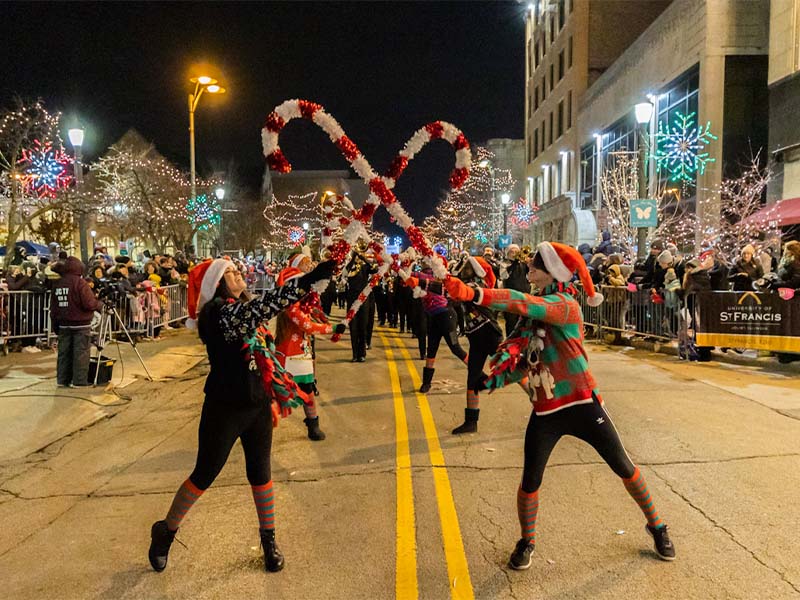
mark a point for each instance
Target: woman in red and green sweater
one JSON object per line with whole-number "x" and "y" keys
{"x": 547, "y": 347}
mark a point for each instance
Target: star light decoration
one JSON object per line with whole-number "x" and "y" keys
{"x": 296, "y": 235}
{"x": 523, "y": 215}
{"x": 44, "y": 169}
{"x": 680, "y": 149}
{"x": 204, "y": 211}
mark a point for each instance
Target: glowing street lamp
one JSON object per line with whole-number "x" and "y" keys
{"x": 76, "y": 139}
{"x": 644, "y": 113}
{"x": 201, "y": 83}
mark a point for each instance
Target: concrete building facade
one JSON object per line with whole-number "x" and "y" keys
{"x": 688, "y": 56}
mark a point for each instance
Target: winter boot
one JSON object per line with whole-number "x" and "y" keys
{"x": 470, "y": 421}
{"x": 273, "y": 559}
{"x": 161, "y": 539}
{"x": 427, "y": 378}
{"x": 314, "y": 432}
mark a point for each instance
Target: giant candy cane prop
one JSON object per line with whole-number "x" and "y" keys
{"x": 380, "y": 187}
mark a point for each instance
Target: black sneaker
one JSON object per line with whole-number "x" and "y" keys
{"x": 161, "y": 539}
{"x": 521, "y": 556}
{"x": 663, "y": 545}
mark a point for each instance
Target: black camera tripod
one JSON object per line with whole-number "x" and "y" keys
{"x": 107, "y": 319}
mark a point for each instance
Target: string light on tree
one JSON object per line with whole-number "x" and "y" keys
{"x": 680, "y": 149}
{"x": 204, "y": 211}
{"x": 45, "y": 169}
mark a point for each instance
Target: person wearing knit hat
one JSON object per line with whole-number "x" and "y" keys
{"x": 441, "y": 322}
{"x": 245, "y": 378}
{"x": 745, "y": 270}
{"x": 483, "y": 333}
{"x": 294, "y": 343}
{"x": 548, "y": 350}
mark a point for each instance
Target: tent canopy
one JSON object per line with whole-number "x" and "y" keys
{"x": 31, "y": 248}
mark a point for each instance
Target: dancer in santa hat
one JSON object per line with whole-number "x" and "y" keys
{"x": 483, "y": 333}
{"x": 244, "y": 379}
{"x": 549, "y": 351}
{"x": 294, "y": 339}
{"x": 441, "y": 321}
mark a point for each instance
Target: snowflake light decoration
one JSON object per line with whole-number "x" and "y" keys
{"x": 523, "y": 215}
{"x": 296, "y": 235}
{"x": 680, "y": 149}
{"x": 204, "y": 211}
{"x": 44, "y": 169}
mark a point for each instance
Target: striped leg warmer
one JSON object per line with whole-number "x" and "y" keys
{"x": 527, "y": 508}
{"x": 184, "y": 499}
{"x": 264, "y": 498}
{"x": 637, "y": 488}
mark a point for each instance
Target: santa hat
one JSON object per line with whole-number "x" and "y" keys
{"x": 287, "y": 274}
{"x": 562, "y": 262}
{"x": 512, "y": 247}
{"x": 483, "y": 270}
{"x": 203, "y": 282}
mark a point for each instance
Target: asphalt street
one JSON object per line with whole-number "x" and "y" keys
{"x": 393, "y": 505}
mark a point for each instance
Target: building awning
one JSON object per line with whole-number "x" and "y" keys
{"x": 782, "y": 213}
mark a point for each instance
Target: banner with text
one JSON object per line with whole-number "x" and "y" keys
{"x": 748, "y": 320}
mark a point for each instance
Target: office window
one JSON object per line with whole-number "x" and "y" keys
{"x": 552, "y": 76}
{"x": 535, "y": 98}
{"x": 561, "y": 65}
{"x": 542, "y": 135}
{"x": 530, "y": 58}
{"x": 536, "y": 54}
{"x": 535, "y": 143}
{"x": 560, "y": 119}
{"x": 587, "y": 185}
{"x": 544, "y": 87}
{"x": 558, "y": 175}
{"x": 528, "y": 148}
{"x": 568, "y": 180}
{"x": 562, "y": 14}
{"x": 530, "y": 108}
{"x": 552, "y": 29}
{"x": 569, "y": 110}
{"x": 569, "y": 53}
{"x": 550, "y": 138}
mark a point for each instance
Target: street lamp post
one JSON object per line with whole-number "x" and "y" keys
{"x": 220, "y": 194}
{"x": 644, "y": 112}
{"x": 201, "y": 84}
{"x": 76, "y": 139}
{"x": 505, "y": 198}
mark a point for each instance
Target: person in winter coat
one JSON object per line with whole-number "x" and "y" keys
{"x": 745, "y": 270}
{"x": 72, "y": 306}
{"x": 548, "y": 350}
{"x": 604, "y": 247}
{"x": 515, "y": 278}
{"x": 651, "y": 264}
{"x": 245, "y": 378}
{"x": 789, "y": 266}
{"x": 614, "y": 276}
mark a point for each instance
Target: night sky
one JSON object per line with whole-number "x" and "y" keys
{"x": 381, "y": 69}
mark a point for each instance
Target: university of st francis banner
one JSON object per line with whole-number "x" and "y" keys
{"x": 748, "y": 320}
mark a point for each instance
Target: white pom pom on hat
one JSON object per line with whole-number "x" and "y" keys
{"x": 563, "y": 262}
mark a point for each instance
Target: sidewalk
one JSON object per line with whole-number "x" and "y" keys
{"x": 34, "y": 413}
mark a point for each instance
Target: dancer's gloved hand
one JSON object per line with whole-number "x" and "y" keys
{"x": 458, "y": 290}
{"x": 411, "y": 282}
{"x": 340, "y": 329}
{"x": 323, "y": 270}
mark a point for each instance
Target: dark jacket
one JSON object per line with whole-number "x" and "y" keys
{"x": 789, "y": 274}
{"x": 517, "y": 277}
{"x": 72, "y": 304}
{"x": 719, "y": 275}
{"x": 743, "y": 274}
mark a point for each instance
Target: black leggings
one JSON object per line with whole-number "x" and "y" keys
{"x": 220, "y": 426}
{"x": 483, "y": 343}
{"x": 444, "y": 325}
{"x": 587, "y": 422}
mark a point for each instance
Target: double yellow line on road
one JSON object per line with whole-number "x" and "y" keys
{"x": 406, "y": 584}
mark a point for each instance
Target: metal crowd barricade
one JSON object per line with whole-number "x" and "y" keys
{"x": 24, "y": 315}
{"x": 627, "y": 313}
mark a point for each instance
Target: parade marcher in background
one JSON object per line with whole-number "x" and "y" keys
{"x": 488, "y": 256}
{"x": 402, "y": 300}
{"x": 483, "y": 333}
{"x": 358, "y": 272}
{"x": 379, "y": 291}
{"x": 294, "y": 340}
{"x": 549, "y": 351}
{"x": 515, "y": 278}
{"x": 245, "y": 378}
{"x": 441, "y": 322}
{"x": 745, "y": 270}
{"x": 72, "y": 306}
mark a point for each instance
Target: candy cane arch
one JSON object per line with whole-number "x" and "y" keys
{"x": 380, "y": 187}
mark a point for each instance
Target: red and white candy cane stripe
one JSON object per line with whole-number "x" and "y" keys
{"x": 380, "y": 187}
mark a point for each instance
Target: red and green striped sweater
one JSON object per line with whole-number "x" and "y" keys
{"x": 559, "y": 314}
